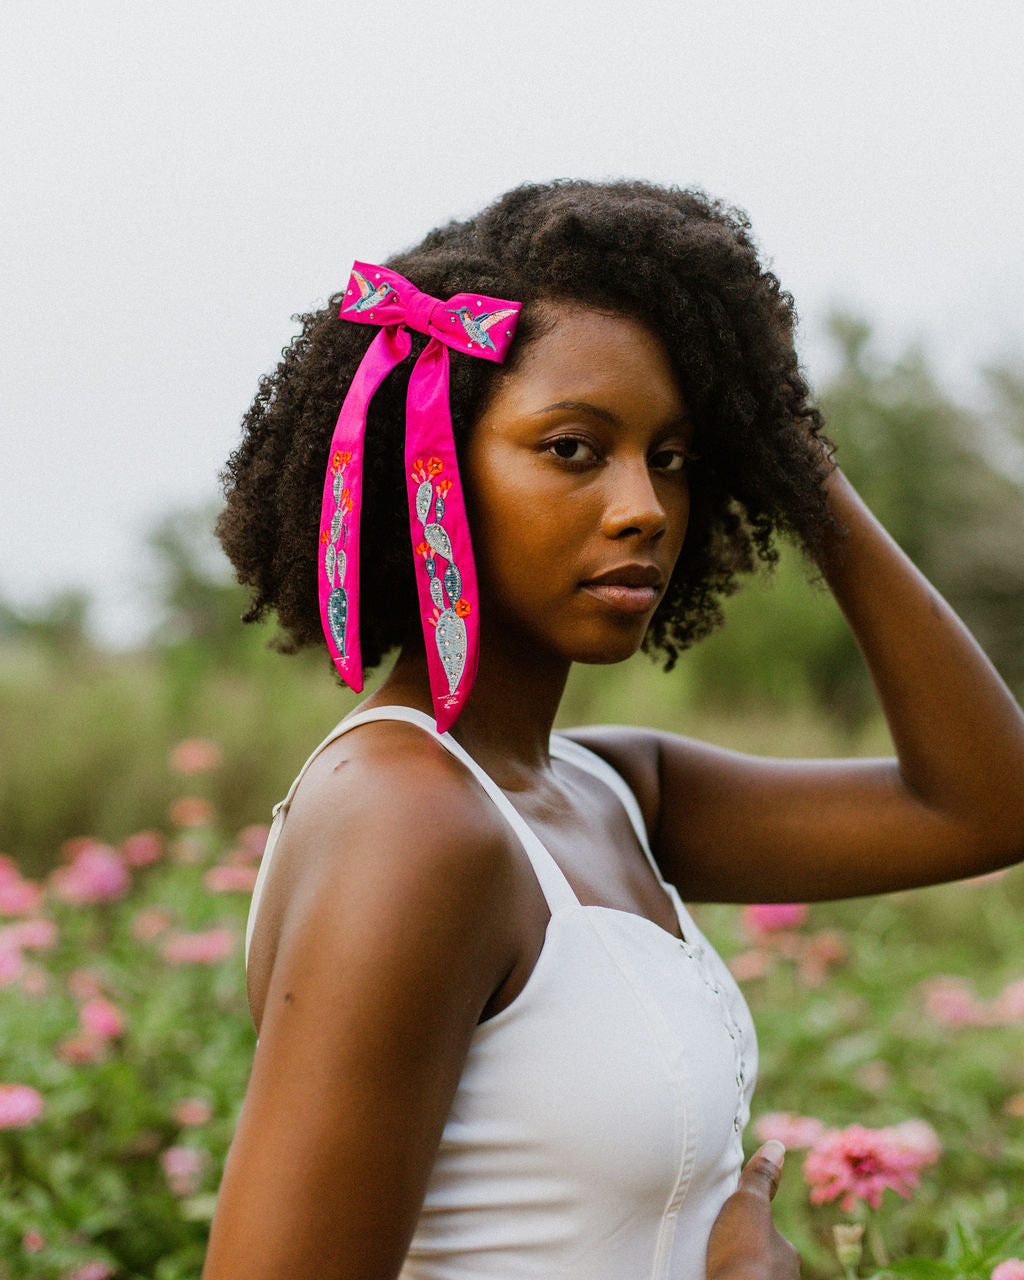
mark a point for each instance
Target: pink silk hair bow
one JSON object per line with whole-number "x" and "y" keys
{"x": 445, "y": 573}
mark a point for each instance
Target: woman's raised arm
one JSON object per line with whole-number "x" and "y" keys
{"x": 392, "y": 939}
{"x": 730, "y": 827}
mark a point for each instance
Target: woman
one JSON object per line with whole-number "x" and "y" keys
{"x": 492, "y": 1042}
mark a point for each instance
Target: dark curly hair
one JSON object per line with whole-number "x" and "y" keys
{"x": 682, "y": 264}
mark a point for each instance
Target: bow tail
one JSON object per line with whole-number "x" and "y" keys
{"x": 446, "y": 581}
{"x": 341, "y": 509}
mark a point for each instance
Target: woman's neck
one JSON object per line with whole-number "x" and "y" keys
{"x": 506, "y": 724}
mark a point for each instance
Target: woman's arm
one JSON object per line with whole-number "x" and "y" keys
{"x": 393, "y": 938}
{"x": 729, "y": 827}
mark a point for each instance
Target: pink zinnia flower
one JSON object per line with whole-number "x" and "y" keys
{"x": 83, "y": 984}
{"x": 209, "y": 946}
{"x": 20, "y": 1105}
{"x": 748, "y": 965}
{"x": 1010, "y": 1269}
{"x": 12, "y": 962}
{"x": 860, "y": 1164}
{"x": 229, "y": 879}
{"x": 951, "y": 1001}
{"x": 191, "y": 811}
{"x": 190, "y": 1113}
{"x": 149, "y": 922}
{"x": 919, "y": 1138}
{"x": 143, "y": 848}
{"x": 91, "y": 1271}
{"x": 36, "y": 934}
{"x": 183, "y": 1167}
{"x": 102, "y": 1019}
{"x": 761, "y": 918}
{"x": 793, "y": 1131}
{"x": 19, "y": 897}
{"x": 251, "y": 843}
{"x": 195, "y": 755}
{"x": 81, "y": 1048}
{"x": 96, "y": 873}
{"x": 1009, "y": 1004}
{"x": 818, "y": 954}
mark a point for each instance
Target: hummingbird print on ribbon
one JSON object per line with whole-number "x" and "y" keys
{"x": 368, "y": 296}
{"x": 476, "y": 326}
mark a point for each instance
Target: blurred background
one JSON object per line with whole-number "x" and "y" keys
{"x": 180, "y": 180}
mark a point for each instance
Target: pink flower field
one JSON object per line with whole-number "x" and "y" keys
{"x": 891, "y": 1032}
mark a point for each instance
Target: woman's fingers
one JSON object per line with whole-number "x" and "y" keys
{"x": 763, "y": 1171}
{"x": 744, "y": 1243}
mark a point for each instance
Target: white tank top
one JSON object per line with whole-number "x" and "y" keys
{"x": 596, "y": 1129}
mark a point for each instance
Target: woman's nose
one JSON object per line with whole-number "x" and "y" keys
{"x": 633, "y": 505}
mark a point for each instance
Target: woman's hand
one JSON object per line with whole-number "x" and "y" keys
{"x": 744, "y": 1244}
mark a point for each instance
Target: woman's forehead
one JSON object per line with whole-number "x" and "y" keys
{"x": 582, "y": 353}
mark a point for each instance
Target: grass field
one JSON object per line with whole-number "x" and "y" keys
{"x": 123, "y": 1016}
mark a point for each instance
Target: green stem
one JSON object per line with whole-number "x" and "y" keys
{"x": 877, "y": 1244}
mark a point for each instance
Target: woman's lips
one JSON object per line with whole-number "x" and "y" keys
{"x": 630, "y": 588}
{"x": 626, "y": 599}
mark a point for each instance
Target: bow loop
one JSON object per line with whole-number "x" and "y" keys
{"x": 445, "y": 574}
{"x": 470, "y": 322}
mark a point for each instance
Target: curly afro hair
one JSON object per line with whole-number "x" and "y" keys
{"x": 682, "y": 264}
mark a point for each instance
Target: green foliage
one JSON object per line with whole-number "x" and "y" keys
{"x": 88, "y": 1176}
{"x": 85, "y": 738}
{"x": 946, "y": 483}
{"x": 853, "y": 1042}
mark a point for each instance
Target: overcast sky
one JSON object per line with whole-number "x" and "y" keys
{"x": 179, "y": 178}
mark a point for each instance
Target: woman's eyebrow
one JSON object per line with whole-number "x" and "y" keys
{"x": 683, "y": 422}
{"x": 580, "y": 406}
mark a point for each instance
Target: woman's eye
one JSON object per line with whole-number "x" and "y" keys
{"x": 572, "y": 449}
{"x": 670, "y": 459}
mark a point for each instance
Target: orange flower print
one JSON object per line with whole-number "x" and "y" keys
{"x": 419, "y": 471}
{"x": 463, "y": 607}
{"x": 422, "y": 550}
{"x": 325, "y": 536}
{"x": 346, "y": 500}
{"x": 443, "y": 486}
{"x": 435, "y": 466}
{"x": 340, "y": 459}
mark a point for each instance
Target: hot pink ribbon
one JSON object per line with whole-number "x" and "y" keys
{"x": 445, "y": 573}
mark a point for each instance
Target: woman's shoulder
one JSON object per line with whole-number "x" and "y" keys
{"x": 383, "y": 815}
{"x": 390, "y": 772}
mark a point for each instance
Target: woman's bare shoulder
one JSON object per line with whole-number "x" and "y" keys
{"x": 393, "y": 934}
{"x": 384, "y": 820}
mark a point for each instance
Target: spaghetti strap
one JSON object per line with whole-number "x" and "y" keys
{"x": 556, "y": 889}
{"x": 572, "y": 752}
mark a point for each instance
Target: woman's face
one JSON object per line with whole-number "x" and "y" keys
{"x": 576, "y": 474}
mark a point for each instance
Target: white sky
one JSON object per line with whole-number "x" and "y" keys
{"x": 179, "y": 178}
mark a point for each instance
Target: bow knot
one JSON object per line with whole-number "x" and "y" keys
{"x": 419, "y": 311}
{"x": 445, "y": 573}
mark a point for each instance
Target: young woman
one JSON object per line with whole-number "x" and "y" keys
{"x": 492, "y": 1042}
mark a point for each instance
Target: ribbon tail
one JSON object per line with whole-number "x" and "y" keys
{"x": 446, "y": 582}
{"x": 341, "y": 508}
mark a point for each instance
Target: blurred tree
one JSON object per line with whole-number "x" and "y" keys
{"x": 193, "y": 585}
{"x": 939, "y": 477}
{"x": 59, "y": 627}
